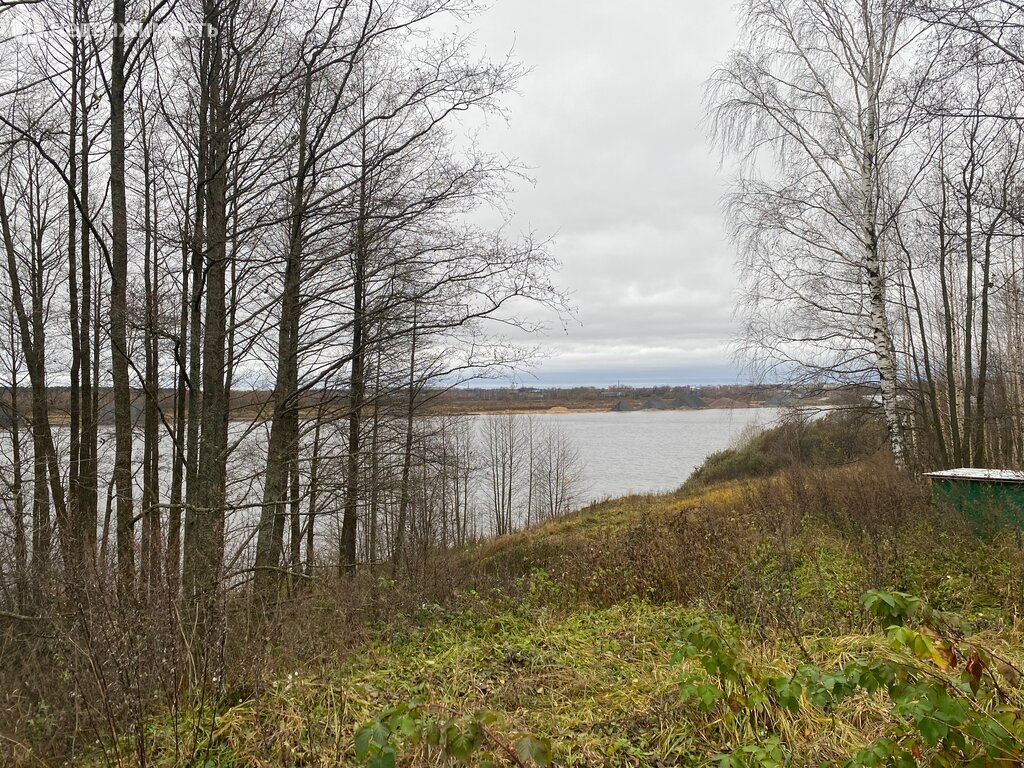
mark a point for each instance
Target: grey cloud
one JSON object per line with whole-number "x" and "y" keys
{"x": 610, "y": 120}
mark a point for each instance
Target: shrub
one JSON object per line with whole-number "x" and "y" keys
{"x": 931, "y": 696}
{"x": 835, "y": 439}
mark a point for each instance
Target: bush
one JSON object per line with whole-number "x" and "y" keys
{"x": 792, "y": 551}
{"x": 934, "y": 696}
{"x": 835, "y": 439}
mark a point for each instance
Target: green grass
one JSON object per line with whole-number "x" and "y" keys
{"x": 600, "y": 683}
{"x": 568, "y": 631}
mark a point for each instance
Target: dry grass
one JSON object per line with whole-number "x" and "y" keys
{"x": 600, "y": 683}
{"x": 568, "y": 630}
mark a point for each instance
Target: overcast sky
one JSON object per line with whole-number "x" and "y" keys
{"x": 610, "y": 120}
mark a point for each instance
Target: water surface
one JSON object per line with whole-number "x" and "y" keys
{"x": 651, "y": 451}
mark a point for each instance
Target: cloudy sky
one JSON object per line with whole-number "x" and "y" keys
{"x": 610, "y": 120}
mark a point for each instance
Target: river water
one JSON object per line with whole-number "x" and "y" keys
{"x": 650, "y": 451}
{"x": 619, "y": 454}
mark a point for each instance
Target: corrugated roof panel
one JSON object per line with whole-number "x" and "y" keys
{"x": 978, "y": 473}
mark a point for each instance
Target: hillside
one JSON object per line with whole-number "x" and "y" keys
{"x": 593, "y": 635}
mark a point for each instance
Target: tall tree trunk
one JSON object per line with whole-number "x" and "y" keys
{"x": 21, "y": 572}
{"x": 119, "y": 309}
{"x": 205, "y": 531}
{"x": 933, "y": 397}
{"x": 282, "y": 448}
{"x": 375, "y": 481}
{"x": 949, "y": 332}
{"x": 88, "y": 471}
{"x": 74, "y": 317}
{"x": 968, "y": 361}
{"x": 983, "y": 351}
{"x": 885, "y": 355}
{"x": 178, "y": 467}
{"x": 314, "y": 489}
{"x": 405, "y": 491}
{"x": 152, "y": 533}
{"x": 47, "y": 486}
{"x": 192, "y": 570}
{"x": 357, "y": 380}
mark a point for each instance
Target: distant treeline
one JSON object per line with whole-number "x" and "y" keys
{"x": 605, "y": 398}
{"x": 249, "y": 404}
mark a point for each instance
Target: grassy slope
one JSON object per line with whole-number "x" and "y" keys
{"x": 568, "y": 630}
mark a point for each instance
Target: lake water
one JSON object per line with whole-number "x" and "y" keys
{"x": 651, "y": 451}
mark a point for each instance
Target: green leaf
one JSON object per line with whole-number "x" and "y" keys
{"x": 486, "y": 717}
{"x": 460, "y": 746}
{"x": 534, "y": 750}
{"x": 932, "y": 731}
{"x": 380, "y": 734}
{"x": 788, "y": 693}
{"x": 891, "y": 608}
{"x": 363, "y": 737}
{"x": 405, "y": 726}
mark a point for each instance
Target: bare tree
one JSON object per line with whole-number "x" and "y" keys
{"x": 558, "y": 470}
{"x": 818, "y": 105}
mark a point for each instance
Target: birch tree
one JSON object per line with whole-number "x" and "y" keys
{"x": 816, "y": 105}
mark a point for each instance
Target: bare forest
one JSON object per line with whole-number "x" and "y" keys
{"x": 242, "y": 245}
{"x": 248, "y": 246}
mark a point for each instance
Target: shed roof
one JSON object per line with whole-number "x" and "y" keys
{"x": 978, "y": 473}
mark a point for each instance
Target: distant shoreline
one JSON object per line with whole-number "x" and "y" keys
{"x": 63, "y": 420}
{"x": 558, "y": 409}
{"x": 256, "y": 405}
